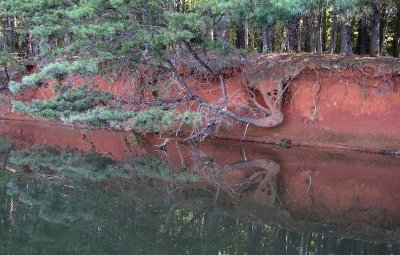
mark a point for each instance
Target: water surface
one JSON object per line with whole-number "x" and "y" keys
{"x": 69, "y": 191}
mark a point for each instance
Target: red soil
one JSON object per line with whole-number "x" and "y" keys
{"x": 349, "y": 108}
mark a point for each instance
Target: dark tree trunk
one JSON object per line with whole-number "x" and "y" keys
{"x": 246, "y": 33}
{"x": 14, "y": 39}
{"x": 384, "y": 30}
{"x": 223, "y": 28}
{"x": 375, "y": 29}
{"x": 332, "y": 43}
{"x": 144, "y": 12}
{"x": 211, "y": 34}
{"x": 346, "y": 48}
{"x": 319, "y": 32}
{"x": 311, "y": 30}
{"x": 240, "y": 37}
{"x": 292, "y": 35}
{"x": 6, "y": 73}
{"x": 299, "y": 35}
{"x": 306, "y": 39}
{"x": 4, "y": 29}
{"x": 267, "y": 39}
{"x": 182, "y": 6}
{"x": 254, "y": 239}
{"x": 362, "y": 39}
{"x": 324, "y": 29}
{"x": 396, "y": 39}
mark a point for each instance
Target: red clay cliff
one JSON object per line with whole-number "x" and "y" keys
{"x": 329, "y": 101}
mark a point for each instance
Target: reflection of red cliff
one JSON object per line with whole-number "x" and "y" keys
{"x": 334, "y": 187}
{"x": 345, "y": 188}
{"x": 350, "y": 107}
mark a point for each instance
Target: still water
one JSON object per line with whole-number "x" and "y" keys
{"x": 68, "y": 191}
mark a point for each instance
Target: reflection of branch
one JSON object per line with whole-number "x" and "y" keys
{"x": 261, "y": 163}
{"x": 7, "y": 156}
{"x": 217, "y": 195}
{"x": 308, "y": 188}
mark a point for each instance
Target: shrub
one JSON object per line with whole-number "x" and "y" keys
{"x": 192, "y": 119}
{"x": 159, "y": 120}
{"x": 20, "y": 107}
{"x": 99, "y": 117}
{"x": 15, "y": 87}
{"x": 155, "y": 120}
{"x": 35, "y": 79}
{"x": 84, "y": 66}
{"x": 83, "y": 107}
{"x": 68, "y": 103}
{"x": 56, "y": 71}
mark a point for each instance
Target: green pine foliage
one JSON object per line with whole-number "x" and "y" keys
{"x": 159, "y": 120}
{"x": 70, "y": 102}
{"x": 88, "y": 107}
{"x": 100, "y": 117}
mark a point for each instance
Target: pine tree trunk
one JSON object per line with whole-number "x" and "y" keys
{"x": 319, "y": 32}
{"x": 311, "y": 30}
{"x": 144, "y": 12}
{"x": 283, "y": 42}
{"x": 324, "y": 29}
{"x": 384, "y": 31}
{"x": 3, "y": 30}
{"x": 299, "y": 35}
{"x": 362, "y": 39}
{"x": 333, "y": 35}
{"x": 240, "y": 37}
{"x": 306, "y": 40}
{"x": 396, "y": 39}
{"x": 267, "y": 39}
{"x": 223, "y": 28}
{"x": 182, "y": 6}
{"x": 14, "y": 40}
{"x": 346, "y": 48}
{"x": 292, "y": 35}
{"x": 211, "y": 34}
{"x": 246, "y": 33}
{"x": 375, "y": 29}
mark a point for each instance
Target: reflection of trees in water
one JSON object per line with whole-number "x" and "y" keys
{"x": 143, "y": 214}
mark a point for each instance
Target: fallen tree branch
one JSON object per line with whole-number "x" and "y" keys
{"x": 223, "y": 91}
{"x": 272, "y": 120}
{"x": 197, "y": 58}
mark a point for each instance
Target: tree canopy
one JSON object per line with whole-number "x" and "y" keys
{"x": 135, "y": 29}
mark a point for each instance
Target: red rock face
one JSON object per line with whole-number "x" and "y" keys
{"x": 339, "y": 107}
{"x": 350, "y": 108}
